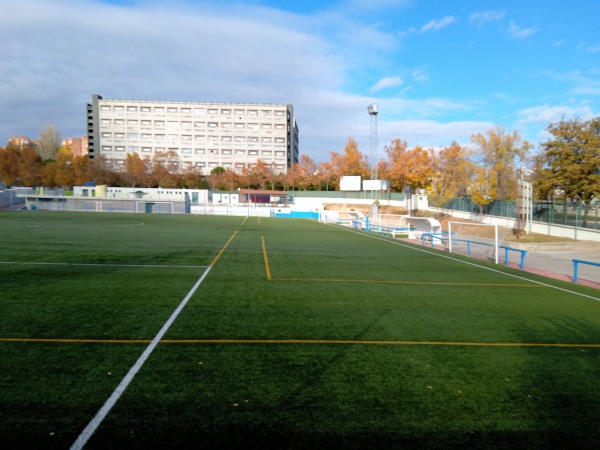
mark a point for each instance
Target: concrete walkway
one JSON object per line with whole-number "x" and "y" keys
{"x": 555, "y": 260}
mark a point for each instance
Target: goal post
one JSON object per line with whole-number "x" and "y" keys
{"x": 465, "y": 234}
{"x": 147, "y": 206}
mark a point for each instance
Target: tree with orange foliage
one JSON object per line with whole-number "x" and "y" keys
{"x": 137, "y": 170}
{"x": 301, "y": 175}
{"x": 483, "y": 187}
{"x": 351, "y": 163}
{"x": 453, "y": 170}
{"x": 257, "y": 175}
{"x": 407, "y": 168}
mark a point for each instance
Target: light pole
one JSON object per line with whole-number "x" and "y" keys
{"x": 373, "y": 111}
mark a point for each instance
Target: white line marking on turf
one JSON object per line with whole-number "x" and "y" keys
{"x": 99, "y": 264}
{"x": 469, "y": 263}
{"x": 97, "y": 420}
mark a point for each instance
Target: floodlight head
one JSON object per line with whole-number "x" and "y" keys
{"x": 372, "y": 108}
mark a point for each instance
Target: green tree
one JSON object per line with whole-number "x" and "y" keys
{"x": 502, "y": 153}
{"x": 570, "y": 161}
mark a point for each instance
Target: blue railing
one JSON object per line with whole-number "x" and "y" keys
{"x": 441, "y": 237}
{"x": 576, "y": 263}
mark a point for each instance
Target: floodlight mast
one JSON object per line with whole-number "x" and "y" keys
{"x": 373, "y": 111}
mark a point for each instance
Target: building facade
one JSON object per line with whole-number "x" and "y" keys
{"x": 195, "y": 134}
{"x": 78, "y": 146}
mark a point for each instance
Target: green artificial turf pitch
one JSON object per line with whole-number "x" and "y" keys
{"x": 300, "y": 335}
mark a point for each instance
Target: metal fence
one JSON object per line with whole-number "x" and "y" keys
{"x": 555, "y": 213}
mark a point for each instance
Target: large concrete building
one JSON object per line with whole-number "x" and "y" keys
{"x": 202, "y": 135}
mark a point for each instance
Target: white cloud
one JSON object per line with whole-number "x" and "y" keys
{"x": 545, "y": 114}
{"x": 435, "y": 25}
{"x": 517, "y": 32}
{"x": 387, "y": 83}
{"x": 481, "y": 18}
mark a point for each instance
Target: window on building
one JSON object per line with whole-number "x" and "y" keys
{"x": 132, "y": 108}
{"x": 253, "y": 112}
{"x": 159, "y": 137}
{"x": 186, "y": 151}
{"x": 199, "y": 124}
{"x": 146, "y": 149}
{"x": 199, "y": 110}
{"x": 186, "y": 137}
{"x": 105, "y": 108}
{"x": 159, "y": 123}
{"x": 120, "y": 135}
{"x": 200, "y": 151}
{"x": 119, "y": 122}
{"x": 119, "y": 108}
{"x": 213, "y": 124}
{"x": 173, "y": 137}
{"x": 106, "y": 135}
{"x": 186, "y": 110}
{"x": 146, "y": 136}
{"x": 172, "y": 109}
{"x": 132, "y": 122}
{"x": 146, "y": 123}
{"x": 145, "y": 109}
{"x": 133, "y": 135}
{"x": 226, "y": 111}
{"x": 159, "y": 109}
{"x": 107, "y": 148}
{"x": 106, "y": 121}
{"x": 120, "y": 148}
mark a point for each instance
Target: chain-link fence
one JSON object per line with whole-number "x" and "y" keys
{"x": 555, "y": 213}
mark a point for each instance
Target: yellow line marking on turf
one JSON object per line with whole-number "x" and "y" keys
{"x": 344, "y": 280}
{"x": 299, "y": 341}
{"x": 266, "y": 258}
{"x": 244, "y": 221}
{"x": 443, "y": 283}
{"x": 223, "y": 249}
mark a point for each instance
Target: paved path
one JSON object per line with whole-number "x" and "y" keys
{"x": 556, "y": 261}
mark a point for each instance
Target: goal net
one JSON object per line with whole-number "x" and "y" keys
{"x": 153, "y": 207}
{"x": 478, "y": 240}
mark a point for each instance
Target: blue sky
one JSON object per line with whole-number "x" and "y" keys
{"x": 439, "y": 70}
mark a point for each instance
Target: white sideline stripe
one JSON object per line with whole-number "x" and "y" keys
{"x": 98, "y": 265}
{"x": 467, "y": 262}
{"x": 102, "y": 413}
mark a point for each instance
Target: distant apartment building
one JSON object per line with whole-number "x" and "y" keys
{"x": 202, "y": 135}
{"x": 78, "y": 146}
{"x": 21, "y": 141}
